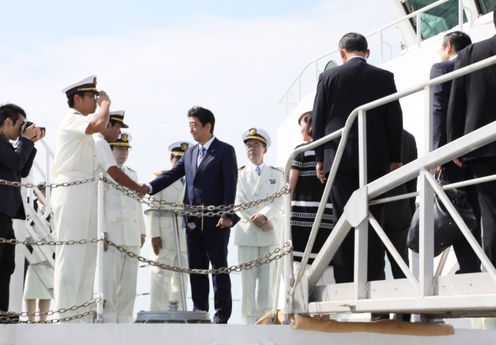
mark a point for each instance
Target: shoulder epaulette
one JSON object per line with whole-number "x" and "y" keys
{"x": 131, "y": 169}
{"x": 278, "y": 169}
{"x": 242, "y": 167}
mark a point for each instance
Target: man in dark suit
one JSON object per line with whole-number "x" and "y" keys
{"x": 452, "y": 43}
{"x": 211, "y": 174}
{"x": 472, "y": 105}
{"x": 398, "y": 214}
{"x": 339, "y": 91}
{"x": 15, "y": 162}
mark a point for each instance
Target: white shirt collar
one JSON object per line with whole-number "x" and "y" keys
{"x": 253, "y": 166}
{"x": 208, "y": 143}
{"x": 357, "y": 56}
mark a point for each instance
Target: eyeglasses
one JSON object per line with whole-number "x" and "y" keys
{"x": 253, "y": 146}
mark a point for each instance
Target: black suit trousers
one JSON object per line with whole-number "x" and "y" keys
{"x": 343, "y": 263}
{"x": 465, "y": 255}
{"x": 487, "y": 199}
{"x": 7, "y": 261}
{"x": 210, "y": 246}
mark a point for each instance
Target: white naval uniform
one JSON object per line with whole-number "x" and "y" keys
{"x": 74, "y": 211}
{"x": 252, "y": 241}
{"x": 165, "y": 285}
{"x": 124, "y": 225}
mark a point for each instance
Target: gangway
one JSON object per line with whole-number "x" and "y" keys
{"x": 455, "y": 295}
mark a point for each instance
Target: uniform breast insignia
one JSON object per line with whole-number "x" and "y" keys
{"x": 242, "y": 167}
{"x": 278, "y": 169}
{"x": 272, "y": 180}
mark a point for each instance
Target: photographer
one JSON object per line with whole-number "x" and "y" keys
{"x": 15, "y": 162}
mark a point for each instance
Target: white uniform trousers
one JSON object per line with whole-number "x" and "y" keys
{"x": 165, "y": 285}
{"x": 119, "y": 287}
{"x": 74, "y": 219}
{"x": 256, "y": 298}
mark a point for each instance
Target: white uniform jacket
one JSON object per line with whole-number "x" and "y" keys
{"x": 253, "y": 187}
{"x": 123, "y": 215}
{"x": 160, "y": 224}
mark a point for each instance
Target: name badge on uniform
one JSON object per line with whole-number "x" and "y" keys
{"x": 272, "y": 181}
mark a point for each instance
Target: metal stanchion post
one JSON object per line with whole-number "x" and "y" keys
{"x": 182, "y": 285}
{"x": 100, "y": 253}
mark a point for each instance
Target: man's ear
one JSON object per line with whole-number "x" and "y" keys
{"x": 344, "y": 56}
{"x": 367, "y": 53}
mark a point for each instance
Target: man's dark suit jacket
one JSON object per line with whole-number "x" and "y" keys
{"x": 472, "y": 102}
{"x": 213, "y": 182}
{"x": 344, "y": 88}
{"x": 15, "y": 162}
{"x": 440, "y": 97}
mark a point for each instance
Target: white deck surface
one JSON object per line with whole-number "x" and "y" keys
{"x": 151, "y": 334}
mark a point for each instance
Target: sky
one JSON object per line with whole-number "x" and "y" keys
{"x": 157, "y": 59}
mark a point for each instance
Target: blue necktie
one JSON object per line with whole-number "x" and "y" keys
{"x": 258, "y": 170}
{"x": 201, "y": 154}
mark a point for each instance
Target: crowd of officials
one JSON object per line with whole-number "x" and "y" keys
{"x": 206, "y": 173}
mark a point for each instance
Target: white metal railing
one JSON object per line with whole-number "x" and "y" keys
{"x": 455, "y": 149}
{"x": 313, "y": 65}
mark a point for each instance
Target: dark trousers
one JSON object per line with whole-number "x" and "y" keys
{"x": 487, "y": 200}
{"x": 204, "y": 247}
{"x": 7, "y": 261}
{"x": 465, "y": 255}
{"x": 396, "y": 223}
{"x": 343, "y": 263}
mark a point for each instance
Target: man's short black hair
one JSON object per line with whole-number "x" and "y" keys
{"x": 204, "y": 116}
{"x": 11, "y": 111}
{"x": 353, "y": 42}
{"x": 457, "y": 39}
{"x": 70, "y": 99}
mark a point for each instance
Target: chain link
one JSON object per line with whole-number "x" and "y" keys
{"x": 196, "y": 210}
{"x": 11, "y": 317}
{"x": 276, "y": 254}
{"x": 15, "y": 242}
{"x": 47, "y": 185}
{"x": 162, "y": 205}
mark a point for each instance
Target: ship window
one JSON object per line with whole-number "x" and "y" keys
{"x": 486, "y": 6}
{"x": 436, "y": 20}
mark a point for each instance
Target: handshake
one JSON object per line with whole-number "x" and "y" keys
{"x": 142, "y": 189}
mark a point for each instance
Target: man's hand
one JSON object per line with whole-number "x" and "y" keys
{"x": 103, "y": 99}
{"x": 261, "y": 221}
{"x": 267, "y": 226}
{"x": 33, "y": 133}
{"x": 105, "y": 242}
{"x": 156, "y": 245}
{"x": 394, "y": 165}
{"x": 143, "y": 237}
{"x": 320, "y": 172}
{"x": 224, "y": 222}
{"x": 458, "y": 162}
{"x": 142, "y": 189}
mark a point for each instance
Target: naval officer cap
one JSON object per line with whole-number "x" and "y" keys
{"x": 118, "y": 116}
{"x": 178, "y": 148}
{"x": 123, "y": 140}
{"x": 257, "y": 134}
{"x": 86, "y": 85}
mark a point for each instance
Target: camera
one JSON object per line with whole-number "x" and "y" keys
{"x": 29, "y": 123}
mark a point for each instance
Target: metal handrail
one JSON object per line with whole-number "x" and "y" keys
{"x": 314, "y": 62}
{"x": 442, "y": 155}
